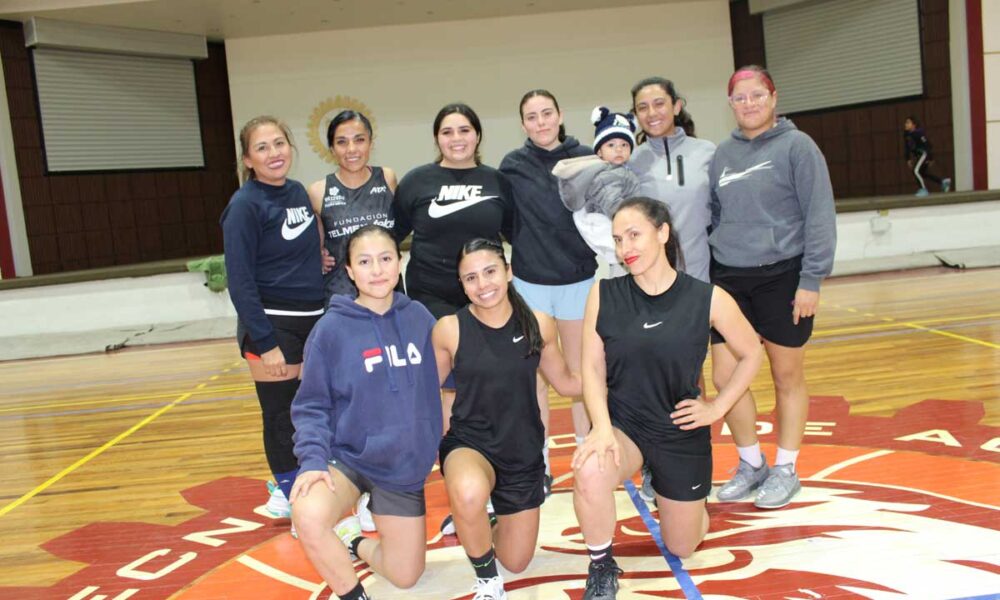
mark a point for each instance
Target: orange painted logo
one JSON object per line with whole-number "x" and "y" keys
{"x": 890, "y": 507}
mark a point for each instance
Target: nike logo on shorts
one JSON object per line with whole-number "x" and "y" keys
{"x": 651, "y": 325}
{"x": 290, "y": 233}
{"x": 694, "y": 487}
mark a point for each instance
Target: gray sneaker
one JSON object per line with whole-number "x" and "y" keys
{"x": 746, "y": 480}
{"x": 602, "y": 581}
{"x": 946, "y": 185}
{"x": 646, "y": 492}
{"x": 779, "y": 488}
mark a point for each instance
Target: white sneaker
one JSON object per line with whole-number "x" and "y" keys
{"x": 489, "y": 589}
{"x": 348, "y": 530}
{"x": 277, "y": 505}
{"x": 365, "y": 515}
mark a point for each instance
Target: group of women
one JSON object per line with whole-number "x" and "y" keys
{"x": 728, "y": 245}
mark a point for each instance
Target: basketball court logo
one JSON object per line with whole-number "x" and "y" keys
{"x": 878, "y": 517}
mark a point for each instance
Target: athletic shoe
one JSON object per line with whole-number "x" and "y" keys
{"x": 489, "y": 589}
{"x": 365, "y": 515}
{"x": 646, "y": 491}
{"x": 348, "y": 530}
{"x": 922, "y": 193}
{"x": 448, "y": 524}
{"x": 779, "y": 488}
{"x": 946, "y": 185}
{"x": 277, "y": 505}
{"x": 602, "y": 581}
{"x": 547, "y": 485}
{"x": 746, "y": 480}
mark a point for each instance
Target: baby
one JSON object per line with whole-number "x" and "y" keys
{"x": 592, "y": 187}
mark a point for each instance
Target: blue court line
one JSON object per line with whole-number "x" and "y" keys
{"x": 683, "y": 579}
{"x": 986, "y": 597}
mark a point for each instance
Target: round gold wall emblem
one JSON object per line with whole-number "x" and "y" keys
{"x": 320, "y": 119}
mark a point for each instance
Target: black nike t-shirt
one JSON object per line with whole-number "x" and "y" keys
{"x": 444, "y": 208}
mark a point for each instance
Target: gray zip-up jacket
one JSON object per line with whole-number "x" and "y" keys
{"x": 771, "y": 201}
{"x": 680, "y": 180}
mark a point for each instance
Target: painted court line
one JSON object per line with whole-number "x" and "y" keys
{"x": 279, "y": 575}
{"x": 138, "y": 397}
{"x": 916, "y": 325}
{"x": 680, "y": 574}
{"x": 846, "y": 463}
{"x": 100, "y": 450}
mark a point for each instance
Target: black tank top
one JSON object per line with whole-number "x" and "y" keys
{"x": 345, "y": 210}
{"x": 654, "y": 347}
{"x": 496, "y": 407}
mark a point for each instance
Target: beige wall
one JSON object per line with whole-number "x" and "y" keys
{"x": 991, "y": 66}
{"x": 406, "y": 73}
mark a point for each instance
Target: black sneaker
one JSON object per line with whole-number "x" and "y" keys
{"x": 547, "y": 485}
{"x": 602, "y": 581}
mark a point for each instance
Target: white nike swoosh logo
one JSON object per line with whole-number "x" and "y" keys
{"x": 436, "y": 211}
{"x": 518, "y": 339}
{"x": 726, "y": 177}
{"x": 290, "y": 233}
{"x": 694, "y": 487}
{"x": 650, "y": 326}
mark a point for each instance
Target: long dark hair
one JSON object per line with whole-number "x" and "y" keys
{"x": 466, "y": 111}
{"x": 529, "y": 324}
{"x": 343, "y": 117}
{"x": 658, "y": 214}
{"x": 547, "y": 94}
{"x": 683, "y": 119}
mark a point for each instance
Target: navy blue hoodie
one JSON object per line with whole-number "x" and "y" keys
{"x": 370, "y": 396}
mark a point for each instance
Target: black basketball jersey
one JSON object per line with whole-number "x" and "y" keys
{"x": 496, "y": 406}
{"x": 654, "y": 348}
{"x": 345, "y": 210}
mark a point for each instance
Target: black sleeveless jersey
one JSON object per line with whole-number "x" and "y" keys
{"x": 654, "y": 347}
{"x": 496, "y": 407}
{"x": 345, "y": 210}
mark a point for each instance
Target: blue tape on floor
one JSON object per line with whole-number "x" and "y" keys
{"x": 683, "y": 579}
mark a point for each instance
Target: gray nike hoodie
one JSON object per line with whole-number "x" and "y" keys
{"x": 771, "y": 201}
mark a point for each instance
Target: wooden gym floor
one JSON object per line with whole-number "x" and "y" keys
{"x": 139, "y": 474}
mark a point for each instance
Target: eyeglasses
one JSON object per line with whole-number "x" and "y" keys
{"x": 756, "y": 97}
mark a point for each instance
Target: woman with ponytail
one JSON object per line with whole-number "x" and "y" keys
{"x": 493, "y": 445}
{"x": 645, "y": 339}
{"x": 273, "y": 260}
{"x": 672, "y": 166}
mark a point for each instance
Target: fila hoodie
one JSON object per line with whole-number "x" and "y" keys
{"x": 771, "y": 201}
{"x": 370, "y": 395}
{"x": 271, "y": 243}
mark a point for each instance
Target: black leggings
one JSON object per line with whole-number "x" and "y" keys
{"x": 921, "y": 171}
{"x": 276, "y": 411}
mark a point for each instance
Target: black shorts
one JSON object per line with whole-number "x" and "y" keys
{"x": 681, "y": 470}
{"x": 383, "y": 501}
{"x": 438, "y": 306}
{"x": 766, "y": 296}
{"x": 515, "y": 491}
{"x": 291, "y": 332}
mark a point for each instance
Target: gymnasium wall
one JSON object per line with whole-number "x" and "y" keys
{"x": 991, "y": 68}
{"x": 405, "y": 74}
{"x": 85, "y": 221}
{"x": 863, "y": 145}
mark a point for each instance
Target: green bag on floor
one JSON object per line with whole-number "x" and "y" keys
{"x": 214, "y": 268}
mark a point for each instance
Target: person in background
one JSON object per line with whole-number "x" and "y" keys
{"x": 917, "y": 152}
